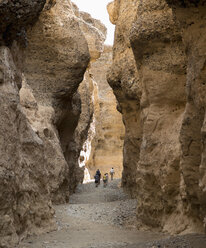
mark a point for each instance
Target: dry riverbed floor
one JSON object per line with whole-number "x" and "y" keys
{"x": 105, "y": 218}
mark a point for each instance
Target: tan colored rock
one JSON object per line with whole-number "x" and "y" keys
{"x": 124, "y": 80}
{"x": 113, "y": 10}
{"x": 25, "y": 203}
{"x": 25, "y": 206}
{"x": 41, "y": 119}
{"x": 107, "y": 143}
{"x": 56, "y": 59}
{"x": 163, "y": 134}
{"x": 35, "y": 164}
{"x": 95, "y": 34}
{"x": 59, "y": 43}
{"x": 192, "y": 137}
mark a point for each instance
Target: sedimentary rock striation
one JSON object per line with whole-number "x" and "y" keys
{"x": 107, "y": 143}
{"x": 124, "y": 79}
{"x": 52, "y": 42}
{"x": 158, "y": 78}
{"x": 43, "y": 56}
{"x": 95, "y": 34}
{"x": 24, "y": 201}
{"x": 192, "y": 22}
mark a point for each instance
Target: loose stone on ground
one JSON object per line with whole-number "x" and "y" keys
{"x": 105, "y": 218}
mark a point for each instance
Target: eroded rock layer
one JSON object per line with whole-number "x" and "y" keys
{"x": 158, "y": 78}
{"x": 53, "y": 41}
{"x": 95, "y": 34}
{"x": 44, "y": 125}
{"x": 107, "y": 143}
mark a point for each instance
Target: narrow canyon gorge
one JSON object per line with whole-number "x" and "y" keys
{"x": 70, "y": 104}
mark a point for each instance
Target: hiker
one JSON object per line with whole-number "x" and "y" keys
{"x": 99, "y": 174}
{"x": 105, "y": 179}
{"x": 112, "y": 173}
{"x": 96, "y": 180}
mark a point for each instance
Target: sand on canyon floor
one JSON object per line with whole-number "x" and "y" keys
{"x": 105, "y": 218}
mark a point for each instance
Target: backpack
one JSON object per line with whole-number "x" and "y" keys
{"x": 96, "y": 177}
{"x": 104, "y": 178}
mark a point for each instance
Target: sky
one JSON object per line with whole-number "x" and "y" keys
{"x": 98, "y": 10}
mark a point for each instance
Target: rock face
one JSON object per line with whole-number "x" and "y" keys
{"x": 24, "y": 195}
{"x": 15, "y": 17}
{"x": 124, "y": 80}
{"x": 24, "y": 202}
{"x": 192, "y": 136}
{"x": 95, "y": 34}
{"x": 158, "y": 78}
{"x": 107, "y": 143}
{"x": 45, "y": 123}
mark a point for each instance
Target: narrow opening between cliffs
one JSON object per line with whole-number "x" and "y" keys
{"x": 59, "y": 124}
{"x": 104, "y": 144}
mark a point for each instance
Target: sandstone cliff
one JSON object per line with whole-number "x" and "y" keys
{"x": 24, "y": 201}
{"x": 41, "y": 126}
{"x": 107, "y": 142}
{"x": 158, "y": 78}
{"x": 124, "y": 80}
{"x": 95, "y": 34}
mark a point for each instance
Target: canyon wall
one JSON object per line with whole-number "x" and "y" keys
{"x": 107, "y": 141}
{"x": 158, "y": 78}
{"x": 51, "y": 45}
{"x": 45, "y": 49}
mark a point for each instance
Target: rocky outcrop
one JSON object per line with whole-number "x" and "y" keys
{"x": 41, "y": 126}
{"x": 55, "y": 84}
{"x": 107, "y": 141}
{"x": 15, "y": 17}
{"x": 54, "y": 78}
{"x": 24, "y": 202}
{"x": 191, "y": 17}
{"x": 123, "y": 77}
{"x": 95, "y": 34}
{"x": 157, "y": 77}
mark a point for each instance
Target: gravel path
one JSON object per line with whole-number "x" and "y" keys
{"x": 105, "y": 218}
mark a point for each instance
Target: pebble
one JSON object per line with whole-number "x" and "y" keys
{"x": 106, "y": 205}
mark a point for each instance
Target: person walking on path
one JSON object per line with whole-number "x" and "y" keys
{"x": 105, "y": 179}
{"x": 96, "y": 180}
{"x": 112, "y": 173}
{"x": 99, "y": 174}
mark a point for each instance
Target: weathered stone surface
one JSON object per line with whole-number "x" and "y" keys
{"x": 39, "y": 127}
{"x": 15, "y": 16}
{"x": 60, "y": 34}
{"x": 95, "y": 34}
{"x": 25, "y": 205}
{"x": 192, "y": 136}
{"x": 107, "y": 143}
{"x": 155, "y": 47}
{"x": 41, "y": 118}
{"x": 124, "y": 79}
